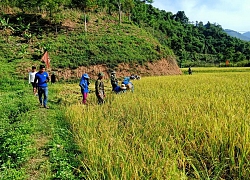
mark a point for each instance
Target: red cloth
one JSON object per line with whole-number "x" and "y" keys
{"x": 46, "y": 59}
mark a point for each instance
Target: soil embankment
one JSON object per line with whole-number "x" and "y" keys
{"x": 158, "y": 68}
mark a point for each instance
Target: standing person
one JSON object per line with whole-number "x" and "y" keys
{"x": 84, "y": 84}
{"x": 114, "y": 80}
{"x": 43, "y": 78}
{"x": 189, "y": 70}
{"x": 32, "y": 78}
{"x": 53, "y": 78}
{"x": 99, "y": 88}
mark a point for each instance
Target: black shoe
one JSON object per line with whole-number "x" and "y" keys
{"x": 46, "y": 107}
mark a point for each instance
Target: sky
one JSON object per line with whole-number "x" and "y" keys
{"x": 230, "y": 14}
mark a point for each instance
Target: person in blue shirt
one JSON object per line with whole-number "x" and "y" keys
{"x": 118, "y": 89}
{"x": 84, "y": 84}
{"x": 42, "y": 78}
{"x": 129, "y": 85}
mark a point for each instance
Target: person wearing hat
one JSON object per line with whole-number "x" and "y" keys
{"x": 127, "y": 84}
{"x": 99, "y": 88}
{"x": 84, "y": 84}
{"x": 114, "y": 80}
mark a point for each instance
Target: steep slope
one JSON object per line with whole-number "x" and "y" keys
{"x": 105, "y": 44}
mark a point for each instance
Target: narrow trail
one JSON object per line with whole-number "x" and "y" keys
{"x": 39, "y": 166}
{"x": 55, "y": 154}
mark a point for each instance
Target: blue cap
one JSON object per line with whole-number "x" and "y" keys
{"x": 86, "y": 76}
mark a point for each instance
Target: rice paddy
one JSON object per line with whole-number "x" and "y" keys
{"x": 171, "y": 127}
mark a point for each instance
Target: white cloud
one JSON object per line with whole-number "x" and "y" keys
{"x": 229, "y": 14}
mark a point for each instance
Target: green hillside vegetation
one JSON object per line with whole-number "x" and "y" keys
{"x": 110, "y": 45}
{"x": 116, "y": 44}
{"x": 105, "y": 42}
{"x": 110, "y": 32}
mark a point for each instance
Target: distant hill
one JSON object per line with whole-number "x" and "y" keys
{"x": 247, "y": 34}
{"x": 244, "y": 37}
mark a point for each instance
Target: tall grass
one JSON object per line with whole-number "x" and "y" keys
{"x": 175, "y": 127}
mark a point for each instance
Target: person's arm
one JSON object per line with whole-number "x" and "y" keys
{"x": 102, "y": 83}
{"x": 29, "y": 78}
{"x": 97, "y": 87}
{"x": 85, "y": 84}
{"x": 81, "y": 83}
{"x": 36, "y": 79}
{"x": 47, "y": 79}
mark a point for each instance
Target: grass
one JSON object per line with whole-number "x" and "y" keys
{"x": 35, "y": 143}
{"x": 168, "y": 129}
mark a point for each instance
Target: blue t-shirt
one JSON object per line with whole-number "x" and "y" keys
{"x": 42, "y": 77}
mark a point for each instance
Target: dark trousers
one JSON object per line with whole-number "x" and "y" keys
{"x": 100, "y": 98}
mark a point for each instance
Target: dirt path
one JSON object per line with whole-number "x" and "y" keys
{"x": 55, "y": 155}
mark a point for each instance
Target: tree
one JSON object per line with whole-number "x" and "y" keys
{"x": 181, "y": 17}
{"x": 6, "y": 26}
{"x": 119, "y": 4}
{"x": 124, "y": 5}
{"x": 128, "y": 8}
{"x": 53, "y": 5}
{"x": 22, "y": 4}
{"x": 86, "y": 6}
{"x": 229, "y": 53}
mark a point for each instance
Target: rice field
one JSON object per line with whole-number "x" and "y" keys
{"x": 171, "y": 127}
